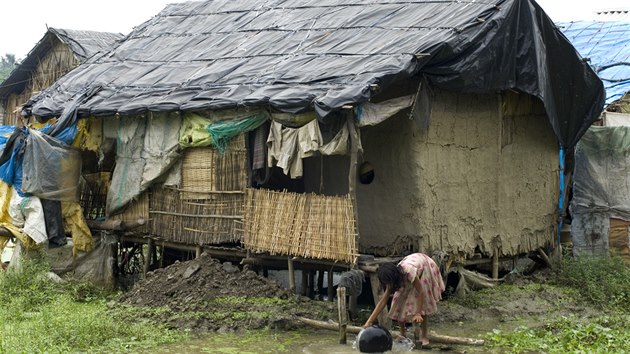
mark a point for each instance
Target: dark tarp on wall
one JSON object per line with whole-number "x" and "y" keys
{"x": 300, "y": 55}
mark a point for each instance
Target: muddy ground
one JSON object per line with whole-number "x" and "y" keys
{"x": 206, "y": 295}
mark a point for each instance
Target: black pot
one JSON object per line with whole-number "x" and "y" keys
{"x": 374, "y": 339}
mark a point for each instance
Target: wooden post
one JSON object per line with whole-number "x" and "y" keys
{"x": 291, "y": 275}
{"x": 330, "y": 285}
{"x": 352, "y": 306}
{"x": 377, "y": 292}
{"x": 343, "y": 314}
{"x": 304, "y": 291}
{"x": 149, "y": 257}
{"x": 198, "y": 251}
{"x": 352, "y": 173}
{"x": 320, "y": 281}
{"x": 495, "y": 264}
{"x": 311, "y": 284}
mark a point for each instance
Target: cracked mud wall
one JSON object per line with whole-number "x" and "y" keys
{"x": 462, "y": 184}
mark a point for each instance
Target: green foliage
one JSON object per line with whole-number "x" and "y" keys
{"x": 40, "y": 316}
{"x": 605, "y": 334}
{"x": 7, "y": 64}
{"x": 603, "y": 281}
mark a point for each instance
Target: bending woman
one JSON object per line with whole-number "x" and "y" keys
{"x": 417, "y": 286}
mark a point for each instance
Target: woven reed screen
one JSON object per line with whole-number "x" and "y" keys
{"x": 209, "y": 205}
{"x": 137, "y": 209}
{"x": 205, "y": 169}
{"x": 303, "y": 225}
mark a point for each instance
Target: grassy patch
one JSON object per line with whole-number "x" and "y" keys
{"x": 40, "y": 316}
{"x": 603, "y": 281}
{"x": 605, "y": 334}
{"x": 599, "y": 282}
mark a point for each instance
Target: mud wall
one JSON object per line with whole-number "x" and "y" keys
{"x": 461, "y": 184}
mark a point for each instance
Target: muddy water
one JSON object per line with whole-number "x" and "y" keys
{"x": 311, "y": 342}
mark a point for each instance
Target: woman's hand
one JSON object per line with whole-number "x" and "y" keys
{"x": 417, "y": 318}
{"x": 367, "y": 324}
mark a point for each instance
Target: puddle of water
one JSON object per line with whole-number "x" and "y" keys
{"x": 317, "y": 341}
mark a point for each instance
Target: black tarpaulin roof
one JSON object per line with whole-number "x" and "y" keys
{"x": 82, "y": 44}
{"x": 298, "y": 55}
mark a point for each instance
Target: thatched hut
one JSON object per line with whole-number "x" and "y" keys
{"x": 58, "y": 52}
{"x": 249, "y": 123}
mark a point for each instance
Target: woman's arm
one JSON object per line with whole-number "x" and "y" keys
{"x": 379, "y": 307}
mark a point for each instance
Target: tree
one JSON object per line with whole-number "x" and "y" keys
{"x": 7, "y": 64}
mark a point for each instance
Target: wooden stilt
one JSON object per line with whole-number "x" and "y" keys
{"x": 343, "y": 314}
{"x": 198, "y": 251}
{"x": 265, "y": 272}
{"x": 320, "y": 281}
{"x": 115, "y": 258}
{"x": 377, "y": 292}
{"x": 149, "y": 257}
{"x": 330, "y": 285}
{"x": 311, "y": 284}
{"x": 291, "y": 275}
{"x": 304, "y": 289}
{"x": 352, "y": 306}
{"x": 153, "y": 252}
{"x": 495, "y": 264}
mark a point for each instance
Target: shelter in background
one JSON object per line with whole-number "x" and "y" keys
{"x": 318, "y": 130}
{"x": 58, "y": 52}
{"x": 600, "y": 207}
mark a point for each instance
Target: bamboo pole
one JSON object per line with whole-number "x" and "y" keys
{"x": 330, "y": 285}
{"x": 352, "y": 174}
{"x": 343, "y": 314}
{"x": 433, "y": 337}
{"x": 291, "y": 275}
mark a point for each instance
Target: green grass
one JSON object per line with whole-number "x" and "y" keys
{"x": 604, "y": 281}
{"x": 605, "y": 334}
{"x": 39, "y": 316}
{"x": 599, "y": 282}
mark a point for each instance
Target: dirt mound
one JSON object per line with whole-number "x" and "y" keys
{"x": 204, "y": 294}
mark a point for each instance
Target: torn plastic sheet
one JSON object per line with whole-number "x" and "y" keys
{"x": 51, "y": 169}
{"x": 28, "y": 214}
{"x": 601, "y": 187}
{"x": 375, "y": 113}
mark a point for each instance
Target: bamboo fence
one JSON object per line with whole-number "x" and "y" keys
{"x": 302, "y": 225}
{"x": 209, "y": 204}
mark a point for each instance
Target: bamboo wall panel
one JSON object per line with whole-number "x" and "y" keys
{"x": 208, "y": 208}
{"x": 208, "y": 220}
{"x": 303, "y": 225}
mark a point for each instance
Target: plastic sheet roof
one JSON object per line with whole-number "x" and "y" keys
{"x": 301, "y": 55}
{"x": 83, "y": 45}
{"x": 607, "y": 47}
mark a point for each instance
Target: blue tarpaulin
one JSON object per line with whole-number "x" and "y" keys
{"x": 606, "y": 46}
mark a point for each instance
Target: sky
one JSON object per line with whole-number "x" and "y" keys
{"x": 24, "y": 22}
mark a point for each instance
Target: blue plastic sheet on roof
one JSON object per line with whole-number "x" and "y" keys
{"x": 606, "y": 45}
